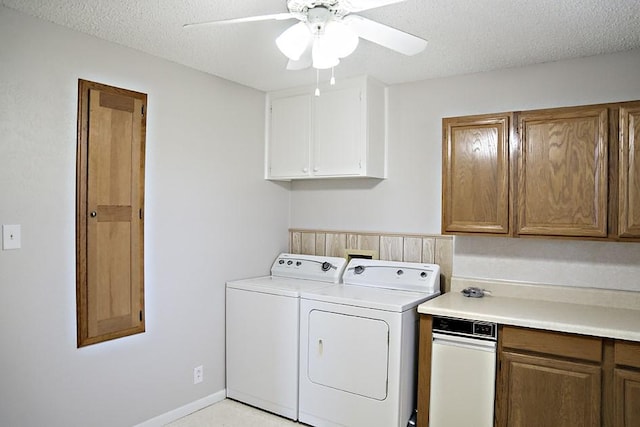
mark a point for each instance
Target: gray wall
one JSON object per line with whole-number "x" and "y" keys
{"x": 207, "y": 207}
{"x": 409, "y": 201}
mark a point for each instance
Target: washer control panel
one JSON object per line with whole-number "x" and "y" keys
{"x": 310, "y": 267}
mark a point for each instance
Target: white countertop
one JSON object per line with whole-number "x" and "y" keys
{"x": 507, "y": 309}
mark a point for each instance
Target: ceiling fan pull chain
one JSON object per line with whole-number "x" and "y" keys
{"x": 333, "y": 79}
{"x": 317, "y": 82}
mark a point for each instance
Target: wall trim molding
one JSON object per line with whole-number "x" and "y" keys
{"x": 183, "y": 411}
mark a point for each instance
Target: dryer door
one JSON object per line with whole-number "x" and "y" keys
{"x": 348, "y": 353}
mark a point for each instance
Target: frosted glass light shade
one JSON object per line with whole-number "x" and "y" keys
{"x": 340, "y": 39}
{"x": 294, "y": 40}
{"x": 323, "y": 54}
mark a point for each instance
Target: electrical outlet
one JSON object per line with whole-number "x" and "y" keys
{"x": 198, "y": 374}
{"x": 10, "y": 237}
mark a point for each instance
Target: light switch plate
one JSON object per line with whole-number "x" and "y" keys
{"x": 10, "y": 237}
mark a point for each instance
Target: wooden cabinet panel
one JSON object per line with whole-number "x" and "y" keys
{"x": 627, "y": 398}
{"x": 629, "y": 172}
{"x": 552, "y": 343}
{"x": 424, "y": 370}
{"x": 546, "y": 392}
{"x": 563, "y": 171}
{"x": 627, "y": 353}
{"x": 475, "y": 174}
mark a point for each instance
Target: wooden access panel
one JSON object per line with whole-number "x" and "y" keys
{"x": 110, "y": 207}
{"x": 563, "y": 172}
{"x": 629, "y": 175}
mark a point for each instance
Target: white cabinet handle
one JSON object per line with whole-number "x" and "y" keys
{"x": 305, "y": 170}
{"x": 315, "y": 169}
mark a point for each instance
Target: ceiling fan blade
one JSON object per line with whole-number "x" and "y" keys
{"x": 274, "y": 16}
{"x": 385, "y": 35}
{"x": 360, "y": 5}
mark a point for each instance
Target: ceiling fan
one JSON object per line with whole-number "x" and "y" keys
{"x": 328, "y": 31}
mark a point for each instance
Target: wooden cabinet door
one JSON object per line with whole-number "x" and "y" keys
{"x": 110, "y": 224}
{"x": 629, "y": 173}
{"x": 339, "y": 143}
{"x": 537, "y": 391}
{"x": 475, "y": 174}
{"x": 424, "y": 369}
{"x": 289, "y": 137}
{"x": 562, "y": 172}
{"x": 626, "y": 398}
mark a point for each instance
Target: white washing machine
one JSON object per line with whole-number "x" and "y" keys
{"x": 358, "y": 345}
{"x": 262, "y": 330}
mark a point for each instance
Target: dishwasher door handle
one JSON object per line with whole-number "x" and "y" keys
{"x": 464, "y": 342}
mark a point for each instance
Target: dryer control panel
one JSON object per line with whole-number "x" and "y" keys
{"x": 407, "y": 276}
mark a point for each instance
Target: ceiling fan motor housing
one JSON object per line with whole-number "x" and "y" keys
{"x": 306, "y": 10}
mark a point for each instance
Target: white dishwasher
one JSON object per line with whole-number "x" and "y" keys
{"x": 463, "y": 373}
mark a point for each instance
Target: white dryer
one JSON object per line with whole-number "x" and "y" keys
{"x": 262, "y": 330}
{"x": 358, "y": 345}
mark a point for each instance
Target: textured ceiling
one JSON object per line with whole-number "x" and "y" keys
{"x": 465, "y": 36}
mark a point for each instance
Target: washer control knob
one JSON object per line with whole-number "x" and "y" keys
{"x": 326, "y": 266}
{"x": 281, "y": 261}
{"x": 289, "y": 262}
{"x": 423, "y": 274}
{"x": 359, "y": 269}
{"x": 399, "y": 272}
{"x": 298, "y": 263}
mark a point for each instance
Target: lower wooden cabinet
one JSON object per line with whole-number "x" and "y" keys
{"x": 627, "y": 397}
{"x": 548, "y": 379}
{"x": 548, "y": 392}
{"x": 626, "y": 384}
{"x": 553, "y": 379}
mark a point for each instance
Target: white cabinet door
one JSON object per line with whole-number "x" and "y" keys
{"x": 339, "y": 133}
{"x": 289, "y": 137}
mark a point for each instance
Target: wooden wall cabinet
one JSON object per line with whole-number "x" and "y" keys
{"x": 570, "y": 172}
{"x": 340, "y": 133}
{"x": 475, "y": 174}
{"x": 629, "y": 172}
{"x": 562, "y": 172}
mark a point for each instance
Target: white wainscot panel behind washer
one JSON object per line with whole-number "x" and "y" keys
{"x": 349, "y": 353}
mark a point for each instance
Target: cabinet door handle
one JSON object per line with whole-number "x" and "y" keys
{"x": 305, "y": 170}
{"x": 315, "y": 169}
{"x": 93, "y": 214}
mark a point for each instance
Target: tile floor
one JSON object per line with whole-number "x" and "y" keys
{"x": 229, "y": 413}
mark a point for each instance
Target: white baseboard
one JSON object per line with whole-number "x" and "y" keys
{"x": 189, "y": 408}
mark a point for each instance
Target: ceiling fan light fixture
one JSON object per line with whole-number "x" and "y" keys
{"x": 323, "y": 55}
{"x": 294, "y": 41}
{"x": 341, "y": 39}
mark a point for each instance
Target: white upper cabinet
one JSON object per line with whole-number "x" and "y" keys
{"x": 340, "y": 133}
